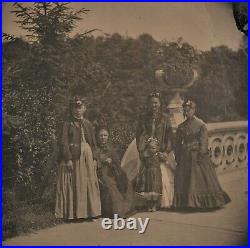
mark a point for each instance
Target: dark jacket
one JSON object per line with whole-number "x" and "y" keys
{"x": 70, "y": 142}
{"x": 191, "y": 136}
{"x": 163, "y": 132}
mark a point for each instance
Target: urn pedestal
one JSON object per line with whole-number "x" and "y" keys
{"x": 175, "y": 110}
{"x": 174, "y": 107}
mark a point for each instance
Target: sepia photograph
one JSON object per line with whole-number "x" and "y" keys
{"x": 125, "y": 123}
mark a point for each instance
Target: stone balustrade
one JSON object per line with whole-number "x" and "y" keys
{"x": 228, "y": 144}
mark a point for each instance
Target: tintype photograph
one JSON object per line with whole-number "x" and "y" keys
{"x": 124, "y": 123}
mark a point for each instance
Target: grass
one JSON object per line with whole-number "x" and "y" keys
{"x": 25, "y": 218}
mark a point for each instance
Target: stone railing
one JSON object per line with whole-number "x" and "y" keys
{"x": 228, "y": 144}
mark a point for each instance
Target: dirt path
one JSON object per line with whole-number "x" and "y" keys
{"x": 227, "y": 226}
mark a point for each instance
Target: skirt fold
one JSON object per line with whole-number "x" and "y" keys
{"x": 78, "y": 194}
{"x": 197, "y": 185}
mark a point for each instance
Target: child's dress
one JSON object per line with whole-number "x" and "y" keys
{"x": 159, "y": 127}
{"x": 149, "y": 179}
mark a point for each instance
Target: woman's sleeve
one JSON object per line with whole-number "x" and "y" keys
{"x": 94, "y": 145}
{"x": 115, "y": 158}
{"x": 96, "y": 156}
{"x": 177, "y": 147}
{"x": 203, "y": 142}
{"x": 66, "y": 154}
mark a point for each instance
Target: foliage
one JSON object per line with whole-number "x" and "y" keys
{"x": 178, "y": 59}
{"x": 221, "y": 90}
{"x": 34, "y": 83}
{"x": 115, "y": 73}
{"x": 22, "y": 217}
{"x": 47, "y": 22}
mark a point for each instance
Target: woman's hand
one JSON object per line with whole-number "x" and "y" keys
{"x": 108, "y": 160}
{"x": 200, "y": 158}
{"x": 163, "y": 156}
{"x": 160, "y": 155}
{"x": 69, "y": 165}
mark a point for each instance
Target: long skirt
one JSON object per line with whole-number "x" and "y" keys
{"x": 167, "y": 186}
{"x": 196, "y": 183}
{"x": 114, "y": 199}
{"x": 78, "y": 194}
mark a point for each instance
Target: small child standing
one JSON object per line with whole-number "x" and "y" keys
{"x": 149, "y": 179}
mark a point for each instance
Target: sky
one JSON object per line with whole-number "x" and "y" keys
{"x": 203, "y": 25}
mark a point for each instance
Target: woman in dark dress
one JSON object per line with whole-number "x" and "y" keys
{"x": 196, "y": 182}
{"x": 117, "y": 196}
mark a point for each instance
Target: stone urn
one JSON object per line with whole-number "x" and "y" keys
{"x": 177, "y": 89}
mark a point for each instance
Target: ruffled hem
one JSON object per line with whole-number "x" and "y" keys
{"x": 149, "y": 195}
{"x": 201, "y": 200}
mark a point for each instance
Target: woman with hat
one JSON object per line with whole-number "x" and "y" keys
{"x": 196, "y": 183}
{"x": 78, "y": 194}
{"x": 154, "y": 124}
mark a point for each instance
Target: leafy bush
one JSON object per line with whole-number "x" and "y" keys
{"x": 115, "y": 73}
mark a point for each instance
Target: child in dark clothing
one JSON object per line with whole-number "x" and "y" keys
{"x": 149, "y": 179}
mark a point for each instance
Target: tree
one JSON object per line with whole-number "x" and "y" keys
{"x": 47, "y": 23}
{"x": 36, "y": 89}
{"x": 219, "y": 90}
